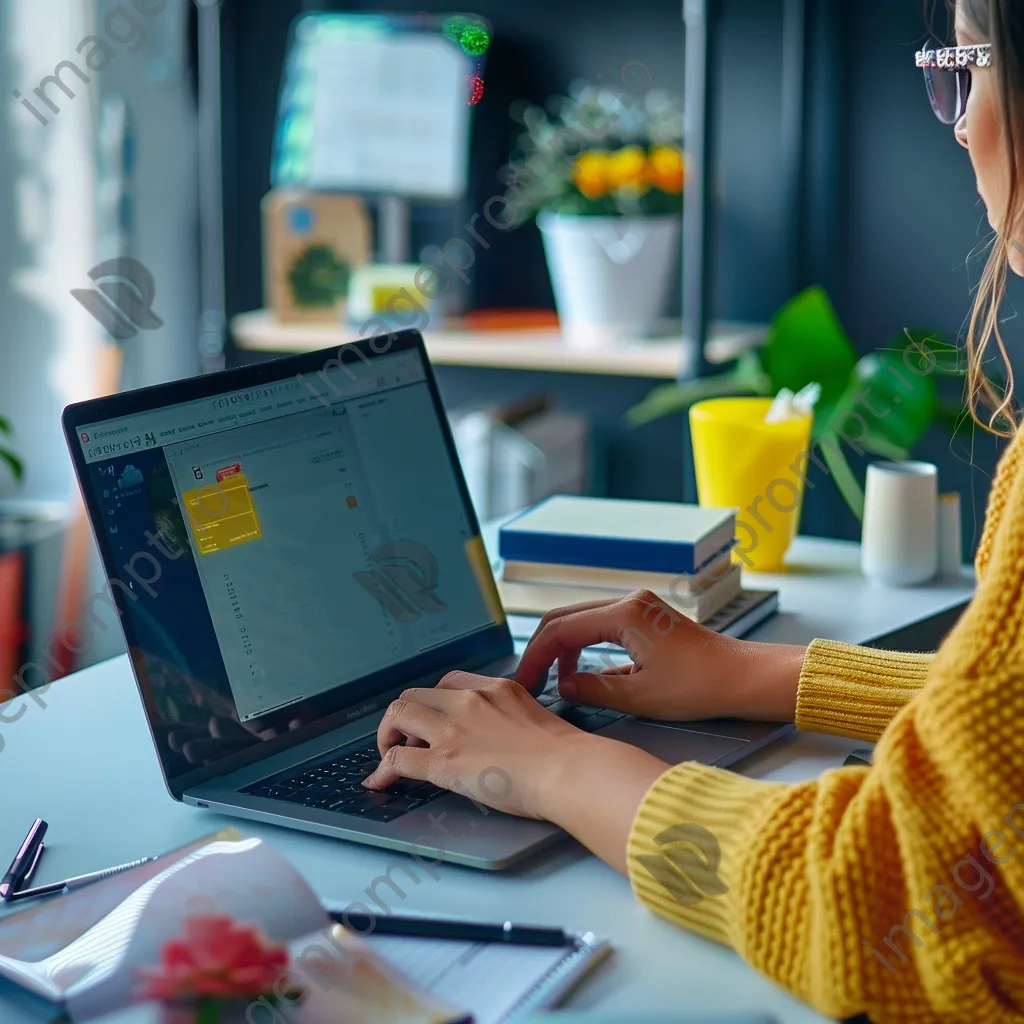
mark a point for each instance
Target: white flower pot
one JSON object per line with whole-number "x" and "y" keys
{"x": 612, "y": 276}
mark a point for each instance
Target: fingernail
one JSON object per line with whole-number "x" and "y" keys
{"x": 368, "y": 781}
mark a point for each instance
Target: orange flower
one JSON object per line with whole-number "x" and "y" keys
{"x": 628, "y": 169}
{"x": 216, "y": 957}
{"x": 666, "y": 170}
{"x": 591, "y": 174}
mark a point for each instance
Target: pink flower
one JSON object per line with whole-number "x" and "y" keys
{"x": 216, "y": 957}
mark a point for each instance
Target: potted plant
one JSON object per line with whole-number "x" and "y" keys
{"x": 603, "y": 172}
{"x": 882, "y": 403}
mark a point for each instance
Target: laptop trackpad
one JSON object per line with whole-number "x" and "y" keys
{"x": 672, "y": 743}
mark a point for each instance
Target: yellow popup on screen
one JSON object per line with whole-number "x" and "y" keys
{"x": 222, "y": 515}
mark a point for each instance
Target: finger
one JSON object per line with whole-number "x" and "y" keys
{"x": 619, "y": 670}
{"x": 446, "y": 696}
{"x": 179, "y": 735}
{"x": 612, "y": 688}
{"x": 570, "y": 609}
{"x": 568, "y": 663}
{"x": 401, "y": 763}
{"x": 226, "y": 729}
{"x": 406, "y": 718}
{"x": 573, "y": 632}
{"x": 465, "y": 681}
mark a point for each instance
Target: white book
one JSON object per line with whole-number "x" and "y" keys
{"x": 619, "y": 580}
{"x": 521, "y": 598}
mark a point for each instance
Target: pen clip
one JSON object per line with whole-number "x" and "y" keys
{"x": 26, "y": 880}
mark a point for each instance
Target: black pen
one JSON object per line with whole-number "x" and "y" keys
{"x": 78, "y": 881}
{"x": 445, "y": 928}
{"x": 24, "y": 861}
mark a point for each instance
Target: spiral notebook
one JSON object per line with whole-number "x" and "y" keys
{"x": 82, "y": 955}
{"x": 496, "y": 982}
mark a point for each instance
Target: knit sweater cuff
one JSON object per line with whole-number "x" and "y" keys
{"x": 686, "y": 844}
{"x": 856, "y": 691}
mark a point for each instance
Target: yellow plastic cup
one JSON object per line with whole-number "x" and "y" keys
{"x": 755, "y": 467}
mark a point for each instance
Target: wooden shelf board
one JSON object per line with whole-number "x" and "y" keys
{"x": 542, "y": 348}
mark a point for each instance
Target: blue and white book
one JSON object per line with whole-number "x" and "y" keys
{"x": 608, "y": 533}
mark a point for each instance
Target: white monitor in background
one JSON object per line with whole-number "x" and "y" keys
{"x": 379, "y": 104}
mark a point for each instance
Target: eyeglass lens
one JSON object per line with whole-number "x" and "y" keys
{"x": 948, "y": 90}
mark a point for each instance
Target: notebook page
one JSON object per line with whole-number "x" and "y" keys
{"x": 83, "y": 948}
{"x": 489, "y": 979}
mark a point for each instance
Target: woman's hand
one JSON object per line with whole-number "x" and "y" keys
{"x": 680, "y": 671}
{"x": 489, "y": 740}
{"x": 485, "y": 738}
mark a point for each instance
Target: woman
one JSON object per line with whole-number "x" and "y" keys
{"x": 894, "y": 890}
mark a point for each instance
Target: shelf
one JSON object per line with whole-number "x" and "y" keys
{"x": 541, "y": 348}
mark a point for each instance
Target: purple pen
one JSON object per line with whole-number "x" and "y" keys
{"x": 24, "y": 860}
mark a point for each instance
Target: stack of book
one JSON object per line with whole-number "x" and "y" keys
{"x": 569, "y": 550}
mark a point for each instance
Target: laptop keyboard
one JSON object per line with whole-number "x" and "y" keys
{"x": 334, "y": 784}
{"x": 581, "y": 715}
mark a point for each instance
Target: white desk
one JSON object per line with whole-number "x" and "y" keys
{"x": 85, "y": 764}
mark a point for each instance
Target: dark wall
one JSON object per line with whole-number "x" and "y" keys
{"x": 910, "y": 219}
{"x": 890, "y": 212}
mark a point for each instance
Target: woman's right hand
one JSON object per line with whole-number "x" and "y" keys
{"x": 680, "y": 671}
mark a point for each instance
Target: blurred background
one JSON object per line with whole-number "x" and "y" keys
{"x": 283, "y": 171}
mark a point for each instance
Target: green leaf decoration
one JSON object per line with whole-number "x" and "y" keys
{"x": 5, "y": 426}
{"x": 849, "y": 488}
{"x": 897, "y": 404}
{"x": 318, "y": 278}
{"x": 807, "y": 343}
{"x": 880, "y": 445}
{"x": 14, "y": 464}
{"x": 954, "y": 417}
{"x": 883, "y": 403}
{"x": 209, "y": 1011}
{"x": 927, "y": 353}
{"x": 746, "y": 378}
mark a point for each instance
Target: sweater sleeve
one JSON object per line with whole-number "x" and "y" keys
{"x": 895, "y": 890}
{"x": 855, "y": 691}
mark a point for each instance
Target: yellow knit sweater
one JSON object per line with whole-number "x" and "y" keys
{"x": 896, "y": 890}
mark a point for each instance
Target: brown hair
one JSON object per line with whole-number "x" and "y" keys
{"x": 1002, "y": 23}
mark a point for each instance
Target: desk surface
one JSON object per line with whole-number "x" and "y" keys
{"x": 84, "y": 763}
{"x": 520, "y": 349}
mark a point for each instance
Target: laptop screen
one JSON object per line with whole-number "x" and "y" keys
{"x": 285, "y": 551}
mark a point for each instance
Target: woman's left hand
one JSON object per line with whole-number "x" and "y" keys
{"x": 485, "y": 738}
{"x": 489, "y": 740}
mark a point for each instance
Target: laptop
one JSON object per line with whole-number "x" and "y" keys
{"x": 288, "y": 546}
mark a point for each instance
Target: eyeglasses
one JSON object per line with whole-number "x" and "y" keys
{"x": 947, "y": 76}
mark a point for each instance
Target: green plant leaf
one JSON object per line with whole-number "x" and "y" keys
{"x": 896, "y": 404}
{"x": 878, "y": 444}
{"x": 953, "y": 416}
{"x": 807, "y": 343}
{"x": 14, "y": 464}
{"x": 676, "y": 398}
{"x": 927, "y": 352}
{"x": 746, "y": 378}
{"x": 208, "y": 1010}
{"x": 849, "y": 487}
{"x": 5, "y": 426}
